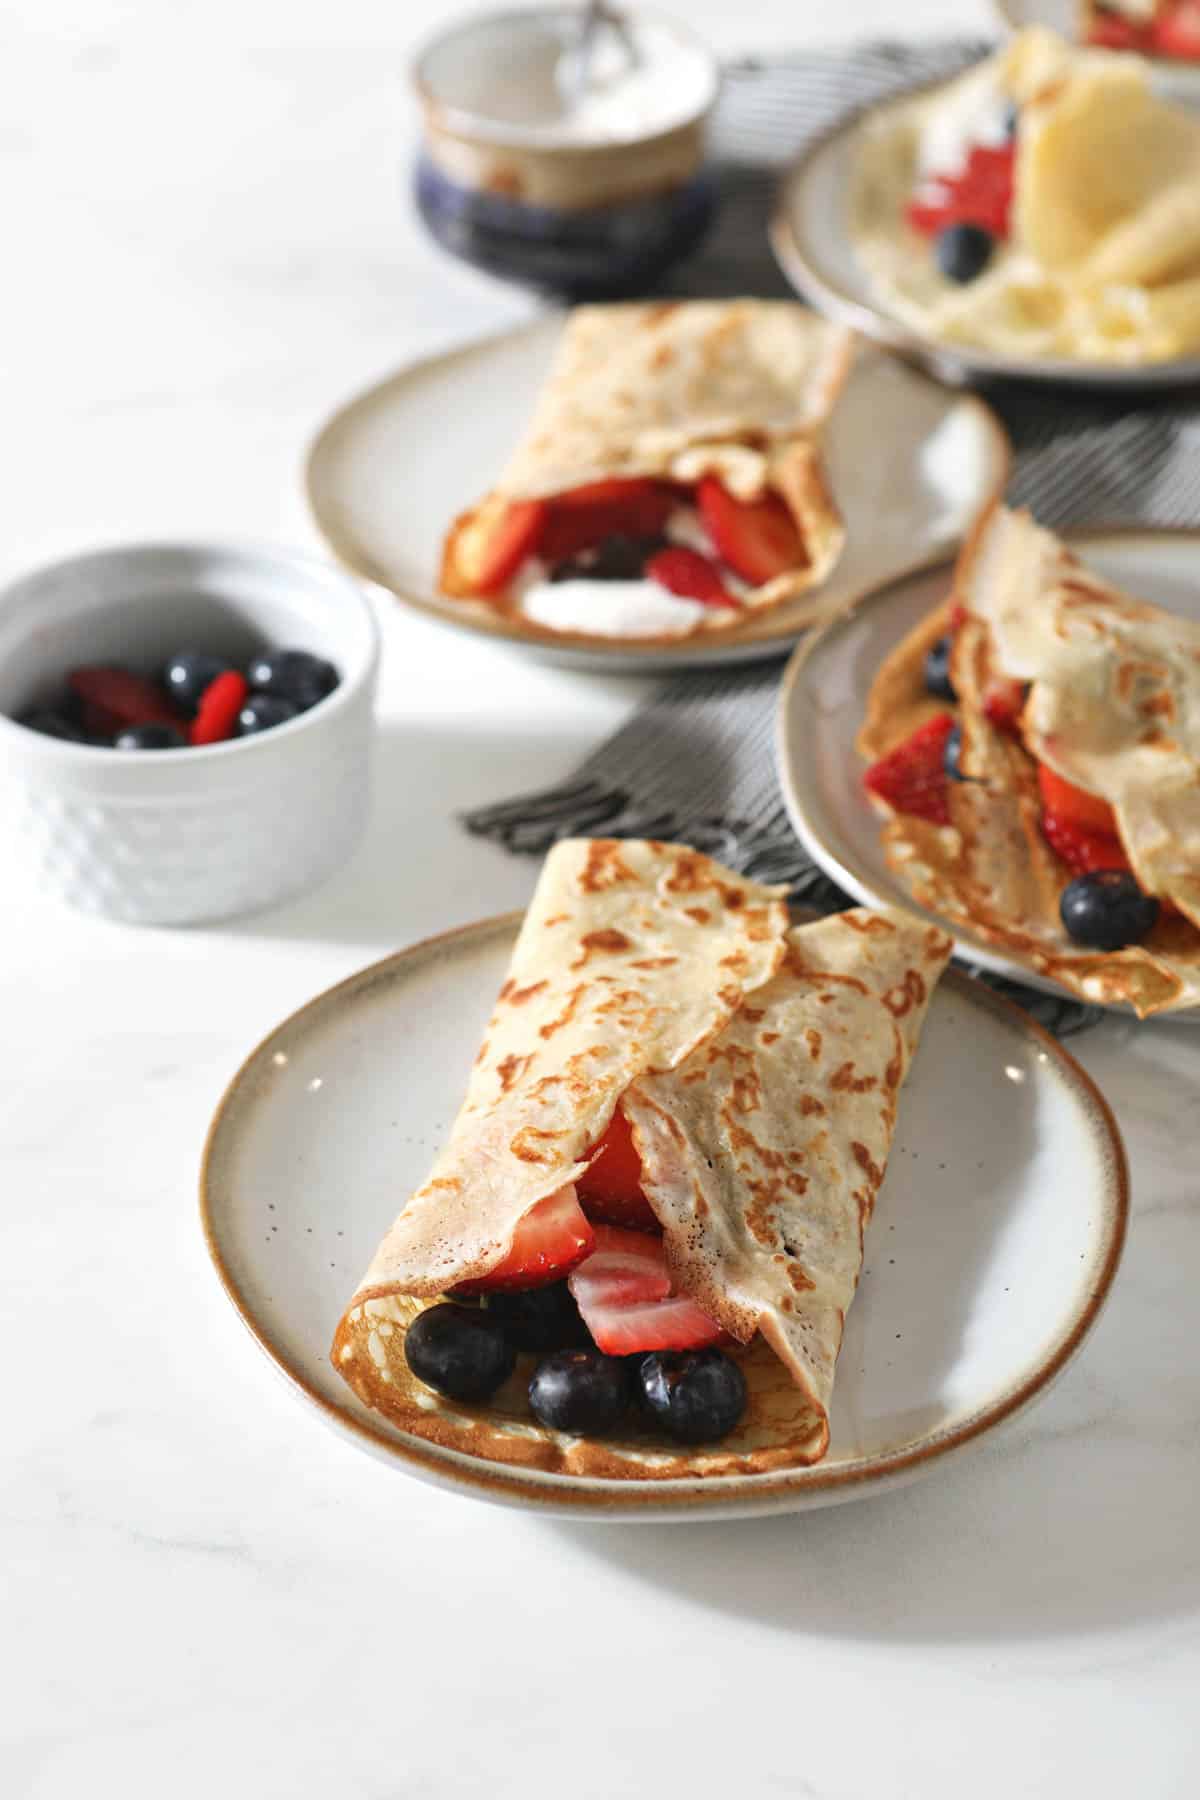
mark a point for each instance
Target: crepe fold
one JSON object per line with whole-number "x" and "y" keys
{"x": 758, "y": 1067}
{"x": 1113, "y": 706}
{"x": 677, "y": 390}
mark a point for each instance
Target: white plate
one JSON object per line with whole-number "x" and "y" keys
{"x": 1180, "y": 80}
{"x": 390, "y": 471}
{"x": 996, "y": 1235}
{"x": 813, "y": 243}
{"x": 823, "y": 700}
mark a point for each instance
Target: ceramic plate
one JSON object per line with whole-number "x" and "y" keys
{"x": 824, "y": 696}
{"x": 390, "y": 471}
{"x": 812, "y": 239}
{"x": 995, "y": 1237}
{"x": 1178, "y": 79}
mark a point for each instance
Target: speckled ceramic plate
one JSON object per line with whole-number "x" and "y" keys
{"x": 813, "y": 242}
{"x": 994, "y": 1242}
{"x": 823, "y": 699}
{"x": 1180, "y": 80}
{"x": 390, "y": 471}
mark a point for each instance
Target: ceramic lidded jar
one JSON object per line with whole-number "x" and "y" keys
{"x": 576, "y": 171}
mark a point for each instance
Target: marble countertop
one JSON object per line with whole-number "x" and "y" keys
{"x": 208, "y": 244}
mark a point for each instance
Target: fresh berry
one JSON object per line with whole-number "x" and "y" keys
{"x": 262, "y": 712}
{"x": 963, "y": 252}
{"x": 625, "y": 1268}
{"x": 516, "y": 536}
{"x": 49, "y": 723}
{"x": 549, "y": 1240}
{"x": 618, "y": 558}
{"x": 1106, "y": 910}
{"x": 217, "y": 713}
{"x": 981, "y": 194}
{"x": 957, "y": 616}
{"x": 1074, "y": 805}
{"x": 188, "y": 673}
{"x": 759, "y": 539}
{"x": 1012, "y": 118}
{"x": 294, "y": 675}
{"x": 1109, "y": 31}
{"x": 937, "y": 669}
{"x": 580, "y": 1391}
{"x": 686, "y": 572}
{"x": 150, "y": 737}
{"x": 1004, "y": 702}
{"x": 1176, "y": 31}
{"x": 459, "y": 1351}
{"x": 952, "y": 756}
{"x": 544, "y": 1318}
{"x": 697, "y": 1397}
{"x": 622, "y": 507}
{"x": 610, "y": 1188}
{"x": 120, "y": 698}
{"x": 911, "y": 777}
{"x": 1082, "y": 851}
{"x": 675, "y": 1323}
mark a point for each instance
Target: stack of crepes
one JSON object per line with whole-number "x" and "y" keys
{"x": 1113, "y": 707}
{"x": 759, "y": 1067}
{"x": 1104, "y": 259}
{"x": 675, "y": 391}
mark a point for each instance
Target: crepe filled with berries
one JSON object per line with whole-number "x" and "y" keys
{"x": 659, "y": 1180}
{"x": 674, "y": 450}
{"x": 1035, "y": 750}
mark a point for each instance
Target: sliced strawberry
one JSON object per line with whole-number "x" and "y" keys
{"x": 1176, "y": 31}
{"x": 611, "y": 1187}
{"x": 759, "y": 539}
{"x": 686, "y": 572}
{"x": 671, "y": 1324}
{"x": 911, "y": 777}
{"x": 958, "y": 616}
{"x": 981, "y": 194}
{"x": 625, "y": 1267}
{"x": 116, "y": 698}
{"x": 515, "y": 538}
{"x": 220, "y": 704}
{"x": 1074, "y": 805}
{"x": 584, "y": 517}
{"x": 1004, "y": 702}
{"x": 549, "y": 1241}
{"x": 1082, "y": 851}
{"x": 1109, "y": 31}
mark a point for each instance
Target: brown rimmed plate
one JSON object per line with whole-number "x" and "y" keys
{"x": 391, "y": 469}
{"x": 995, "y": 1240}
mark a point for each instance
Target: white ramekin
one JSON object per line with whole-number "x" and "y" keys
{"x": 173, "y": 837}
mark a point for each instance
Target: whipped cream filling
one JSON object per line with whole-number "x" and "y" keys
{"x": 974, "y": 112}
{"x": 635, "y": 608}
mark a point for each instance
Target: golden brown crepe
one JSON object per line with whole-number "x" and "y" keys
{"x": 676, "y": 390}
{"x": 648, "y": 975}
{"x": 1114, "y": 707}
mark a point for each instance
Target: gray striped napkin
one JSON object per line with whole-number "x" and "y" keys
{"x": 695, "y": 762}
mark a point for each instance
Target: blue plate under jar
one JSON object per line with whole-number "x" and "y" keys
{"x": 586, "y": 187}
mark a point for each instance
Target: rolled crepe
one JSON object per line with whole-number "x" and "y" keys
{"x": 1113, "y": 706}
{"x": 759, "y": 1068}
{"x": 740, "y": 389}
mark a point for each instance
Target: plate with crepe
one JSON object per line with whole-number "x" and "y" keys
{"x": 569, "y": 1211}
{"x": 1011, "y": 744}
{"x": 648, "y": 486}
{"x": 1035, "y": 217}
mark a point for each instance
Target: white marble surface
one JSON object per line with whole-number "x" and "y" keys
{"x": 206, "y": 246}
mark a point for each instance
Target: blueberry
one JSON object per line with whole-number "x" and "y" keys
{"x": 697, "y": 1395}
{"x": 188, "y": 673}
{"x": 963, "y": 252}
{"x": 937, "y": 669}
{"x": 52, "y": 724}
{"x": 459, "y": 1351}
{"x": 263, "y": 711}
{"x": 1107, "y": 910}
{"x": 293, "y": 675}
{"x": 616, "y": 559}
{"x": 1012, "y": 117}
{"x": 544, "y": 1318}
{"x": 149, "y": 737}
{"x": 581, "y": 1391}
{"x": 952, "y": 756}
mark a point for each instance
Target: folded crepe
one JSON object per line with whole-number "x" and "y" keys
{"x": 676, "y": 390}
{"x": 1113, "y": 706}
{"x": 759, "y": 1069}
